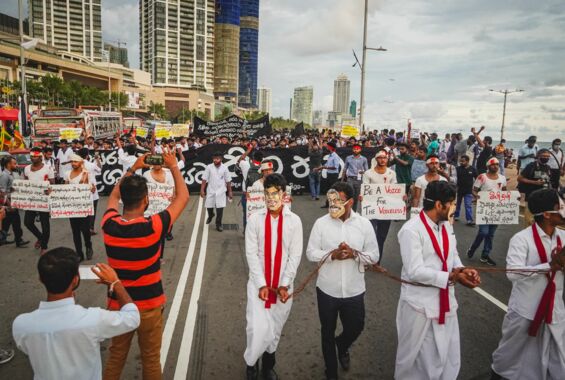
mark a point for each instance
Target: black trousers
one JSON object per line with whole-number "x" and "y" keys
{"x": 381, "y": 228}
{"x": 219, "y": 214}
{"x": 356, "y": 183}
{"x": 92, "y": 218}
{"x": 554, "y": 176}
{"x": 81, "y": 226}
{"x": 43, "y": 235}
{"x": 13, "y": 219}
{"x": 351, "y": 312}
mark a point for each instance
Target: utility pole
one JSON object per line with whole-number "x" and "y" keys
{"x": 506, "y": 93}
{"x": 22, "y": 107}
{"x": 362, "y": 66}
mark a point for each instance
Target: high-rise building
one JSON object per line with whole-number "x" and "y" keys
{"x": 73, "y": 26}
{"x": 248, "y": 53}
{"x": 226, "y": 50}
{"x": 302, "y": 104}
{"x": 177, "y": 42}
{"x": 353, "y": 108}
{"x": 318, "y": 118}
{"x": 341, "y": 94}
{"x": 264, "y": 99}
{"x": 117, "y": 54}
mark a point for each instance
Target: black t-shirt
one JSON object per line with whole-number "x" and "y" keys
{"x": 315, "y": 158}
{"x": 465, "y": 179}
{"x": 484, "y": 156}
{"x": 534, "y": 171}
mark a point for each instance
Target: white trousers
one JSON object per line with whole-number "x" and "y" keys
{"x": 264, "y": 326}
{"x": 520, "y": 356}
{"x": 426, "y": 349}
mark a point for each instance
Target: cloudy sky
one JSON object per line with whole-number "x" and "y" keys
{"x": 442, "y": 59}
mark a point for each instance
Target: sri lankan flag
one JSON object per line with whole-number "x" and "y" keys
{"x": 5, "y": 139}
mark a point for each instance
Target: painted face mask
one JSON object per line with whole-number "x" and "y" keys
{"x": 273, "y": 198}
{"x": 336, "y": 205}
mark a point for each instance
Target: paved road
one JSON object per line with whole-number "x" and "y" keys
{"x": 205, "y": 277}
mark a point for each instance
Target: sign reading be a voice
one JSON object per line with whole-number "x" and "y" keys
{"x": 498, "y": 207}
{"x": 383, "y": 201}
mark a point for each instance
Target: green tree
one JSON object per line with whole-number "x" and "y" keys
{"x": 253, "y": 115}
{"x": 158, "y": 110}
{"x": 53, "y": 86}
{"x": 119, "y": 100}
{"x": 226, "y": 111}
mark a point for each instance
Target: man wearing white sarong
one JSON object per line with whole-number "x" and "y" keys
{"x": 426, "y": 319}
{"x": 273, "y": 263}
{"x": 533, "y": 331}
{"x": 215, "y": 182}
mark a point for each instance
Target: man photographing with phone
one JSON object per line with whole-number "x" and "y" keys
{"x": 133, "y": 245}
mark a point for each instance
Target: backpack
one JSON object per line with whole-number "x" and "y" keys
{"x": 252, "y": 175}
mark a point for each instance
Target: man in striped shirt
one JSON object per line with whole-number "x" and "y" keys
{"x": 133, "y": 245}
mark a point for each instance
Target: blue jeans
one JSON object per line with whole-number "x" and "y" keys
{"x": 314, "y": 179}
{"x": 468, "y": 199}
{"x": 486, "y": 232}
{"x": 501, "y": 166}
{"x": 244, "y": 207}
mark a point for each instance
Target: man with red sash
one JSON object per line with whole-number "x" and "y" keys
{"x": 273, "y": 246}
{"x": 533, "y": 331}
{"x": 426, "y": 319}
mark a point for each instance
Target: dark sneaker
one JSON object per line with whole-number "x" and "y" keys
{"x": 219, "y": 228}
{"x": 169, "y": 236}
{"x": 471, "y": 224}
{"x": 89, "y": 253}
{"x": 487, "y": 260}
{"x": 470, "y": 253}
{"x": 253, "y": 372}
{"x": 209, "y": 220}
{"x": 22, "y": 243}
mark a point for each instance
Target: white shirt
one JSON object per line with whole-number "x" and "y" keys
{"x": 420, "y": 263}
{"x": 93, "y": 171}
{"x": 244, "y": 165}
{"x": 422, "y": 183}
{"x": 342, "y": 278}
{"x": 371, "y": 176}
{"x": 43, "y": 174}
{"x": 62, "y": 339}
{"x": 484, "y": 183}
{"x": 528, "y": 290}
{"x": 291, "y": 246}
{"x": 216, "y": 177}
{"x": 64, "y": 157}
{"x": 555, "y": 159}
{"x": 183, "y": 148}
{"x": 169, "y": 180}
{"x": 126, "y": 160}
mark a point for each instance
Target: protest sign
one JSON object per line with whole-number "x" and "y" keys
{"x": 383, "y": 201}
{"x": 70, "y": 134}
{"x": 498, "y": 207}
{"x": 350, "y": 131}
{"x": 142, "y": 132}
{"x": 30, "y": 196}
{"x": 256, "y": 200}
{"x": 162, "y": 131}
{"x": 180, "y": 130}
{"x": 232, "y": 127}
{"x": 70, "y": 201}
{"x": 160, "y": 196}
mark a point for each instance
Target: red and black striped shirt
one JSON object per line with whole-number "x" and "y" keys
{"x": 134, "y": 249}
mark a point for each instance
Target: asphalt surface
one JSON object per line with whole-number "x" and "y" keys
{"x": 206, "y": 319}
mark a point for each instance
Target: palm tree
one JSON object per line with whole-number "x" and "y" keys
{"x": 158, "y": 110}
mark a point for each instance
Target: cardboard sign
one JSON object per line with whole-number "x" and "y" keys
{"x": 180, "y": 130}
{"x": 383, "y": 201}
{"x": 71, "y": 201}
{"x": 160, "y": 196}
{"x": 350, "y": 131}
{"x": 30, "y": 196}
{"x": 162, "y": 131}
{"x": 498, "y": 207}
{"x": 70, "y": 134}
{"x": 256, "y": 200}
{"x": 142, "y": 132}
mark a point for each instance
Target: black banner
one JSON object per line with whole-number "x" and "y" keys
{"x": 292, "y": 163}
{"x": 231, "y": 127}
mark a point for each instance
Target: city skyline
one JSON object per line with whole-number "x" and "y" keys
{"x": 341, "y": 94}
{"x": 439, "y": 80}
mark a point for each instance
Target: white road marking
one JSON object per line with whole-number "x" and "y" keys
{"x": 181, "y": 370}
{"x": 179, "y": 292}
{"x": 491, "y": 299}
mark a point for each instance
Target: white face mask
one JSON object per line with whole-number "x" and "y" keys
{"x": 273, "y": 198}
{"x": 336, "y": 206}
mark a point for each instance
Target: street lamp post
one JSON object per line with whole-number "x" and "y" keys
{"x": 505, "y": 92}
{"x": 23, "y": 104}
{"x": 362, "y": 66}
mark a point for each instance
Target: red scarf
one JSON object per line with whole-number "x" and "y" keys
{"x": 272, "y": 281}
{"x": 545, "y": 307}
{"x": 443, "y": 293}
